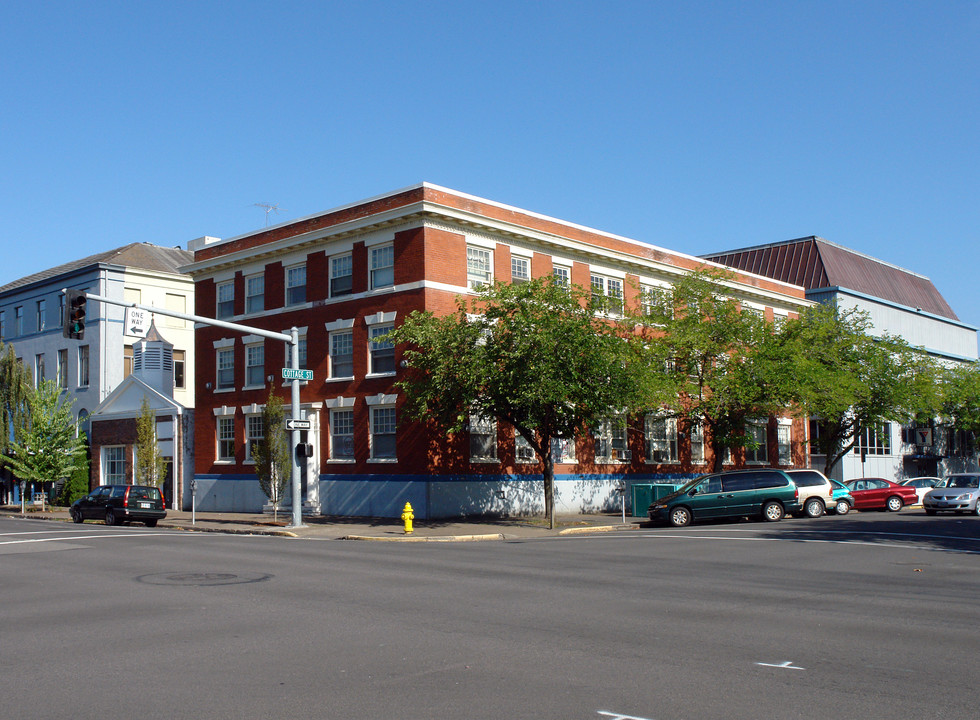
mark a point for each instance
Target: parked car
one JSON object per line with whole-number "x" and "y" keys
{"x": 922, "y": 485}
{"x": 880, "y": 494}
{"x": 843, "y": 500}
{"x": 816, "y": 492}
{"x": 959, "y": 492}
{"x": 767, "y": 493}
{"x": 117, "y": 504}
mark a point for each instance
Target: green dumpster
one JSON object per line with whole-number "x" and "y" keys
{"x": 641, "y": 498}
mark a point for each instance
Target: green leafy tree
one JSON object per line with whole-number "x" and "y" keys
{"x": 850, "y": 381}
{"x": 537, "y": 355}
{"x": 273, "y": 464}
{"x": 725, "y": 362}
{"x": 77, "y": 484}
{"x": 959, "y": 396}
{"x": 151, "y": 466}
{"x": 47, "y": 446}
{"x": 16, "y": 388}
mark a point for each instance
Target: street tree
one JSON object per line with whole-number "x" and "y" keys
{"x": 960, "y": 396}
{"x": 540, "y": 356}
{"x": 852, "y": 382}
{"x": 273, "y": 464}
{"x": 46, "y": 447}
{"x": 151, "y": 465}
{"x": 724, "y": 361}
{"x": 16, "y": 387}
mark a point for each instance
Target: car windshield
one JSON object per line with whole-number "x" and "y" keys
{"x": 144, "y": 493}
{"x": 963, "y": 481}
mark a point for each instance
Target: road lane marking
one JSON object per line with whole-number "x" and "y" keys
{"x": 620, "y": 716}
{"x": 787, "y": 665}
{"x": 28, "y": 541}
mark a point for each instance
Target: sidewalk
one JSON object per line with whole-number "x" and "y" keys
{"x": 376, "y": 529}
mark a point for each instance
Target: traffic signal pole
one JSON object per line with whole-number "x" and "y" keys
{"x": 292, "y": 340}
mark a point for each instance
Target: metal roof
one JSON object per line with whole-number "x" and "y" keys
{"x": 137, "y": 255}
{"x": 816, "y": 264}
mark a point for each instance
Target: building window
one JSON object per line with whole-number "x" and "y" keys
{"x": 520, "y": 269}
{"x": 176, "y": 303}
{"x": 226, "y": 369}
{"x": 254, "y": 434}
{"x": 296, "y": 285}
{"x": 255, "y": 365}
{"x": 479, "y": 267}
{"x": 875, "y": 440}
{"x": 38, "y": 369}
{"x": 83, "y": 365}
{"x": 383, "y": 433}
{"x": 483, "y": 438}
{"x": 342, "y": 354}
{"x": 3, "y": 324}
{"x": 63, "y": 368}
{"x": 610, "y": 440}
{"x": 226, "y": 300}
{"x": 18, "y": 321}
{"x": 341, "y": 275}
{"x": 179, "y": 376}
{"x": 301, "y": 351}
{"x": 382, "y": 351}
{"x": 341, "y": 434}
{"x": 127, "y": 360}
{"x": 610, "y": 290}
{"x": 42, "y": 311}
{"x": 255, "y": 294}
{"x": 563, "y": 276}
{"x": 757, "y": 431}
{"x": 563, "y": 450}
{"x": 697, "y": 444}
{"x": 382, "y": 266}
{"x": 661, "y": 439}
{"x": 226, "y": 438}
{"x": 114, "y": 465}
{"x": 522, "y": 449}
{"x": 783, "y": 443}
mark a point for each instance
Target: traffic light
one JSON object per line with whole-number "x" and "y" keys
{"x": 75, "y": 301}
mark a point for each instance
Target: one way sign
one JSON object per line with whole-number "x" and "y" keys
{"x": 137, "y": 322}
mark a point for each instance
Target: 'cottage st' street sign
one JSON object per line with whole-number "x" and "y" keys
{"x": 290, "y": 374}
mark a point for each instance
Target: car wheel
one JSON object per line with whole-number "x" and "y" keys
{"x": 151, "y": 523}
{"x": 76, "y": 516}
{"x": 110, "y": 517}
{"x": 772, "y": 511}
{"x": 813, "y": 508}
{"x": 680, "y": 516}
{"x": 843, "y": 507}
{"x": 930, "y": 512}
{"x": 976, "y": 507}
{"x": 894, "y": 504}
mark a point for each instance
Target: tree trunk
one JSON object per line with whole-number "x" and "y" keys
{"x": 549, "y": 485}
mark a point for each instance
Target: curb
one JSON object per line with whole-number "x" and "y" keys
{"x": 438, "y": 538}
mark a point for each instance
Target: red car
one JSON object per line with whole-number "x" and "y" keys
{"x": 880, "y": 494}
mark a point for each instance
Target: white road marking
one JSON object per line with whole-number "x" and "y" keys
{"x": 788, "y": 665}
{"x": 619, "y": 716}
{"x": 28, "y": 541}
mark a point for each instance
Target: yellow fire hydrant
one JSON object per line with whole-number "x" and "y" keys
{"x": 407, "y": 517}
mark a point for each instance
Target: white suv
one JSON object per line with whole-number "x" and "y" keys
{"x": 816, "y": 492}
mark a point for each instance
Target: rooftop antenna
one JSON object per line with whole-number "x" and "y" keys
{"x": 268, "y": 207}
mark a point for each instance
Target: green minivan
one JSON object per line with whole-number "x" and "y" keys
{"x": 767, "y": 493}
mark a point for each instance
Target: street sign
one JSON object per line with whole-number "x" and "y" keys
{"x": 297, "y": 424}
{"x": 137, "y": 322}
{"x": 290, "y": 374}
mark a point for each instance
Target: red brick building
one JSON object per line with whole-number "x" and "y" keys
{"x": 346, "y": 276}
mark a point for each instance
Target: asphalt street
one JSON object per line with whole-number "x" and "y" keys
{"x": 867, "y": 616}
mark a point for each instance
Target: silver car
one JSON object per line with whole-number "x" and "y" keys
{"x": 955, "y": 493}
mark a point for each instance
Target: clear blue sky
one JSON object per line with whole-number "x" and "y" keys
{"x": 695, "y": 126}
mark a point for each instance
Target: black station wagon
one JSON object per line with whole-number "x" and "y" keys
{"x": 117, "y": 504}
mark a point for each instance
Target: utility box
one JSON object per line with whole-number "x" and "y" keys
{"x": 641, "y": 497}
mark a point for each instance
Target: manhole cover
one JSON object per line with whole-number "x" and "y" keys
{"x": 205, "y": 578}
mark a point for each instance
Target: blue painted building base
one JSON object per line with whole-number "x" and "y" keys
{"x": 434, "y": 497}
